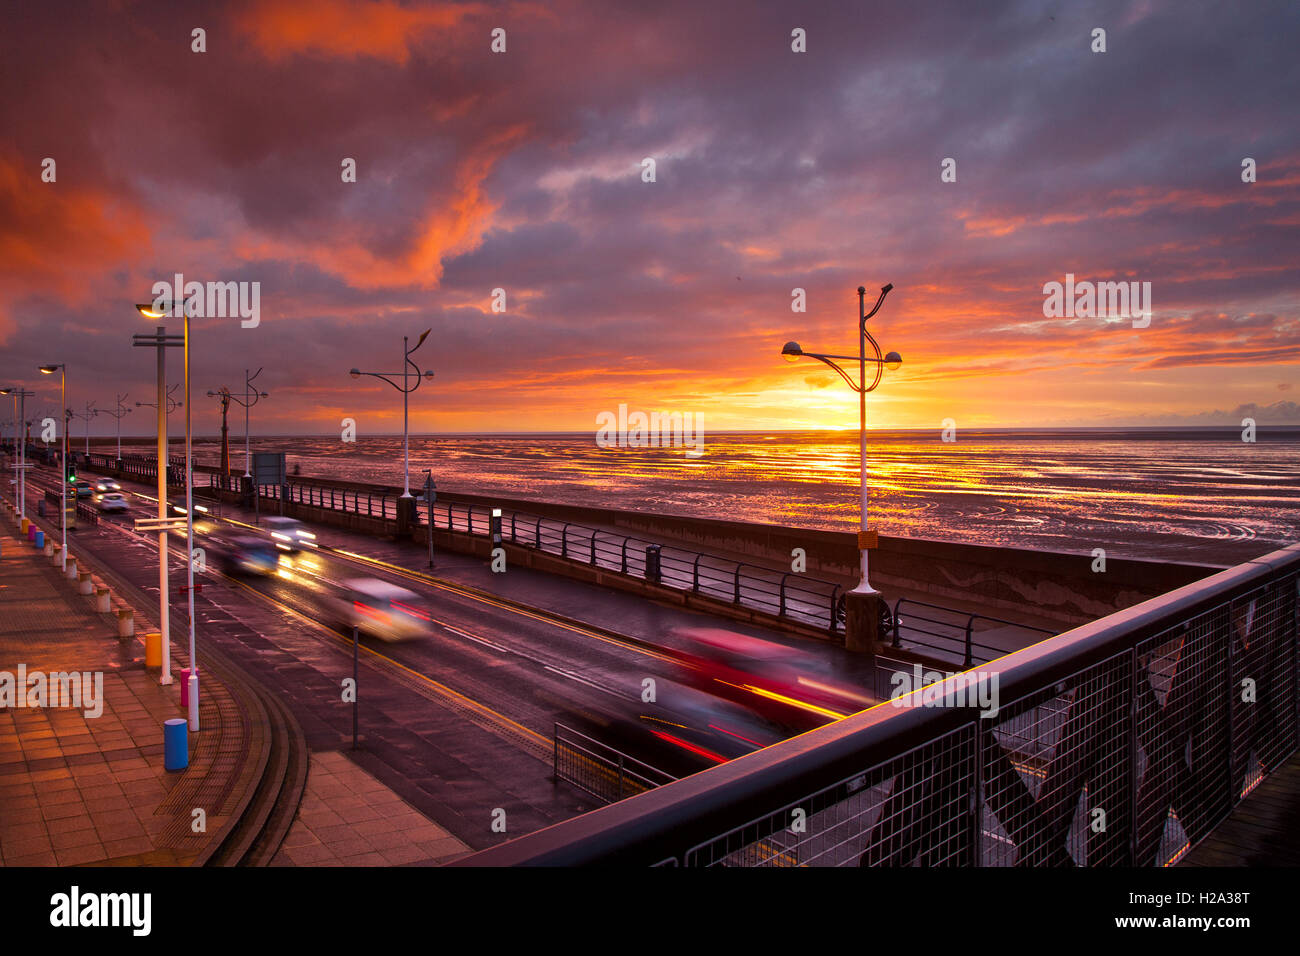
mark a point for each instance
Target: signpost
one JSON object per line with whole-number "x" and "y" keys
{"x": 268, "y": 469}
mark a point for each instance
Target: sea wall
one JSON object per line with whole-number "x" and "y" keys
{"x": 1052, "y": 585}
{"x": 1029, "y": 586}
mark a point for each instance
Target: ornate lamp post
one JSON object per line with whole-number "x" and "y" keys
{"x": 863, "y": 603}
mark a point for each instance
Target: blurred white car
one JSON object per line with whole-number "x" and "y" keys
{"x": 112, "y": 501}
{"x": 288, "y": 533}
{"x": 385, "y": 610}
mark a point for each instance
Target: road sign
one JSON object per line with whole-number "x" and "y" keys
{"x": 430, "y": 493}
{"x": 268, "y": 468}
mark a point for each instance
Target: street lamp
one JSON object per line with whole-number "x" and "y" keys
{"x": 406, "y": 388}
{"x": 122, "y": 411}
{"x": 63, "y": 466}
{"x": 160, "y": 341}
{"x": 251, "y": 396}
{"x": 90, "y": 412}
{"x": 148, "y": 311}
{"x": 892, "y": 361}
{"x": 20, "y": 396}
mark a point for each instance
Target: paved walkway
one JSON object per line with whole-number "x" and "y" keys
{"x": 1263, "y": 830}
{"x": 348, "y": 818}
{"x": 86, "y": 785}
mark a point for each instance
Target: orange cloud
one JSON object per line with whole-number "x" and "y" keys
{"x": 56, "y": 235}
{"x": 382, "y": 29}
{"x": 450, "y": 227}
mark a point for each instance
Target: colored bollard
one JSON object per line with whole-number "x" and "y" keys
{"x": 185, "y": 687}
{"x": 30, "y": 531}
{"x": 176, "y": 744}
{"x": 153, "y": 649}
{"x": 40, "y": 540}
{"x": 27, "y": 523}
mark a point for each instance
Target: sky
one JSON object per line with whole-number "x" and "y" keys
{"x": 774, "y": 170}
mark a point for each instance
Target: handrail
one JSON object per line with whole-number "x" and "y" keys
{"x": 930, "y": 761}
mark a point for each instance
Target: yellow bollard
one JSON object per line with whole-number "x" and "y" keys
{"x": 153, "y": 649}
{"x": 26, "y": 523}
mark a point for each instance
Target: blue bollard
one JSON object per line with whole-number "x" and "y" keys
{"x": 176, "y": 744}
{"x": 40, "y": 541}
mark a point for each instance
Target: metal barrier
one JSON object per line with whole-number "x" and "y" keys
{"x": 1120, "y": 743}
{"x": 782, "y": 595}
{"x": 943, "y": 631}
{"x": 601, "y": 770}
{"x": 786, "y": 595}
{"x": 84, "y": 511}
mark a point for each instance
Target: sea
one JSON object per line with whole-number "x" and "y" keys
{"x": 1188, "y": 494}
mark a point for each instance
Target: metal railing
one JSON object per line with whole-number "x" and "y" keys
{"x": 782, "y": 595}
{"x": 1123, "y": 742}
{"x": 945, "y": 632}
{"x": 84, "y": 511}
{"x": 785, "y": 595}
{"x": 601, "y": 770}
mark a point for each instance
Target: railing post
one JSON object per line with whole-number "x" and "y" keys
{"x": 537, "y": 535}
{"x": 1133, "y": 665}
{"x": 835, "y": 624}
{"x": 781, "y": 612}
{"x": 1229, "y": 668}
{"x": 513, "y": 540}
{"x": 736, "y": 600}
{"x": 564, "y": 540}
{"x": 898, "y": 637}
{"x": 593, "y": 547}
{"x": 623, "y": 566}
{"x": 977, "y": 796}
{"x": 695, "y": 578}
{"x": 970, "y": 622}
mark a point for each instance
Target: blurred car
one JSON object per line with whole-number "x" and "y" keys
{"x": 384, "y": 610}
{"x": 782, "y": 683}
{"x": 682, "y": 731}
{"x": 84, "y": 488}
{"x": 106, "y": 484}
{"x": 289, "y": 533}
{"x": 245, "y": 554}
{"x": 112, "y": 501}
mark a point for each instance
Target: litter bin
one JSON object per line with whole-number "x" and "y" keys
{"x": 652, "y": 562}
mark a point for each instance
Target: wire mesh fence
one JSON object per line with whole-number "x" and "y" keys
{"x": 601, "y": 770}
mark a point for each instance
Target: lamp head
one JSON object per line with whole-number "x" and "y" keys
{"x": 355, "y": 373}
{"x": 49, "y": 369}
{"x": 791, "y": 351}
{"x": 893, "y": 361}
{"x": 428, "y": 374}
{"x": 148, "y": 311}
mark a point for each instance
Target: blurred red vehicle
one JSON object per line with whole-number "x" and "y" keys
{"x": 783, "y": 684}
